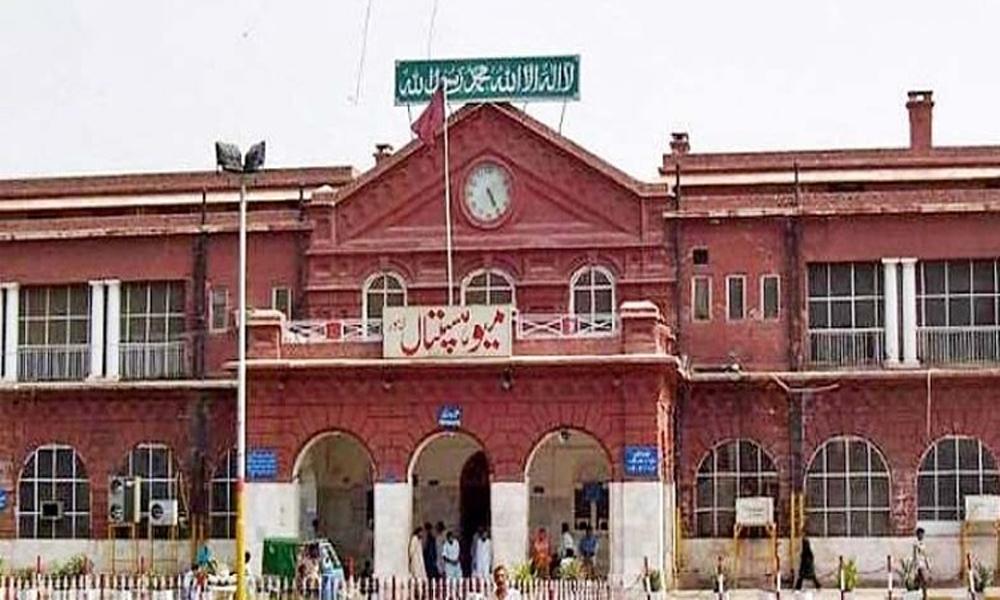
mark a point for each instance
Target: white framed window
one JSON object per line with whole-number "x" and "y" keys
{"x": 487, "y": 287}
{"x": 53, "y": 495}
{"x": 381, "y": 290}
{"x": 847, "y": 490}
{"x": 845, "y": 296}
{"x": 953, "y": 467}
{"x": 736, "y": 306}
{"x": 281, "y": 300}
{"x": 155, "y": 466}
{"x": 592, "y": 299}
{"x": 959, "y": 293}
{"x": 701, "y": 298}
{"x": 218, "y": 309}
{"x": 770, "y": 297}
{"x": 733, "y": 469}
{"x": 54, "y": 332}
{"x": 222, "y": 498}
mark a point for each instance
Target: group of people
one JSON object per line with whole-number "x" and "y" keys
{"x": 546, "y": 563}
{"x": 435, "y": 553}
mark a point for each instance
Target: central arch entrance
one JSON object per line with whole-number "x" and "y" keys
{"x": 450, "y": 478}
{"x": 334, "y": 473}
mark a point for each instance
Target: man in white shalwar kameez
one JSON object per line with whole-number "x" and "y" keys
{"x": 482, "y": 555}
{"x": 450, "y": 553}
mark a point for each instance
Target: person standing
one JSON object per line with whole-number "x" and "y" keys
{"x": 567, "y": 545}
{"x": 501, "y": 587}
{"x": 416, "y": 555}
{"x": 430, "y": 552}
{"x": 541, "y": 553}
{"x": 588, "y": 552}
{"x": 807, "y": 566}
{"x": 920, "y": 560}
{"x": 439, "y": 539}
{"x": 451, "y": 550}
{"x": 482, "y": 555}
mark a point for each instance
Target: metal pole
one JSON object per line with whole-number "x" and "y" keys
{"x": 241, "y": 403}
{"x": 447, "y": 202}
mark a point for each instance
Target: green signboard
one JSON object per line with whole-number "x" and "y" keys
{"x": 485, "y": 79}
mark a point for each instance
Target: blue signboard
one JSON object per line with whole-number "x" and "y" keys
{"x": 450, "y": 417}
{"x": 642, "y": 461}
{"x": 3, "y": 500}
{"x": 262, "y": 464}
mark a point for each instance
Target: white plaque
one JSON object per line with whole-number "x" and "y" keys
{"x": 446, "y": 331}
{"x": 756, "y": 511}
{"x": 982, "y": 508}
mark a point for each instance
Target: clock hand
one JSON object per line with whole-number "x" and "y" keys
{"x": 493, "y": 201}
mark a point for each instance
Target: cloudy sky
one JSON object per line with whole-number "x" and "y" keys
{"x": 98, "y": 86}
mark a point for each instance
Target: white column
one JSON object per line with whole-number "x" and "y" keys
{"x": 909, "y": 300}
{"x": 96, "y": 330}
{"x": 890, "y": 318}
{"x": 393, "y": 528}
{"x": 10, "y": 343}
{"x": 637, "y": 528}
{"x": 112, "y": 337}
{"x": 509, "y": 527}
{"x": 272, "y": 511}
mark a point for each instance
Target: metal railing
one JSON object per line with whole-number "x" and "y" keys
{"x": 959, "y": 345}
{"x": 527, "y": 326}
{"x": 153, "y": 360}
{"x": 845, "y": 347}
{"x": 53, "y": 363}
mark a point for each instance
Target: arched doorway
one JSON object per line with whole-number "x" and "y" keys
{"x": 568, "y": 474}
{"x": 450, "y": 475}
{"x": 334, "y": 473}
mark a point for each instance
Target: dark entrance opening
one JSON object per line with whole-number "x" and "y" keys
{"x": 474, "y": 504}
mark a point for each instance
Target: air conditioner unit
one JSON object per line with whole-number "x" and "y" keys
{"x": 51, "y": 510}
{"x": 163, "y": 513}
{"x": 124, "y": 494}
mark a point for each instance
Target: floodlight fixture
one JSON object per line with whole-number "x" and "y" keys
{"x": 228, "y": 157}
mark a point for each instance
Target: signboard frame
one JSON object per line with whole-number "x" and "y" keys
{"x": 755, "y": 505}
{"x": 521, "y": 78}
{"x": 448, "y": 332}
{"x": 262, "y": 464}
{"x": 450, "y": 416}
{"x": 641, "y": 460}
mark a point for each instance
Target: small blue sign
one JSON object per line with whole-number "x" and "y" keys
{"x": 642, "y": 461}
{"x": 450, "y": 417}
{"x": 3, "y": 500}
{"x": 262, "y": 464}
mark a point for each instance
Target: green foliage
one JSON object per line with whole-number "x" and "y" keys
{"x": 655, "y": 580}
{"x": 571, "y": 570}
{"x": 850, "y": 574}
{"x": 76, "y": 565}
{"x": 982, "y": 577}
{"x": 522, "y": 574}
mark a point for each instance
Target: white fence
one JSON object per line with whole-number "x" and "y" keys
{"x": 112, "y": 587}
{"x": 845, "y": 347}
{"x": 153, "y": 360}
{"x": 959, "y": 345}
{"x": 51, "y": 363}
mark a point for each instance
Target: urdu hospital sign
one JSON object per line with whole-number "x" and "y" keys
{"x": 488, "y": 79}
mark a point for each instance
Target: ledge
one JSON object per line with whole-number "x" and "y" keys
{"x": 158, "y": 384}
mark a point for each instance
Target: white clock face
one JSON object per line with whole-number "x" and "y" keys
{"x": 487, "y": 193}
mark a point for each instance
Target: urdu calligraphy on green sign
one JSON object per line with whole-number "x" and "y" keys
{"x": 484, "y": 79}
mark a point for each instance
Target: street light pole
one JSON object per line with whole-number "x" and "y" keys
{"x": 228, "y": 158}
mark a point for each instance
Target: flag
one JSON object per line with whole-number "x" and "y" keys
{"x": 431, "y": 119}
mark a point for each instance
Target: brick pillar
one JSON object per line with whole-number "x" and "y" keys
{"x": 264, "y": 334}
{"x": 643, "y": 329}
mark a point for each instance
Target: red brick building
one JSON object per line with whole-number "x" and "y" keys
{"x": 815, "y": 325}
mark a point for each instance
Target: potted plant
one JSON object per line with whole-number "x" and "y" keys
{"x": 522, "y": 575}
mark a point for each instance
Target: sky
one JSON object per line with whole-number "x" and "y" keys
{"x": 110, "y": 86}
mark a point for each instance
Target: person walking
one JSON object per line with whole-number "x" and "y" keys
{"x": 541, "y": 554}
{"x": 482, "y": 554}
{"x": 430, "y": 553}
{"x": 567, "y": 545}
{"x": 921, "y": 562}
{"x": 416, "y": 555}
{"x": 450, "y": 553}
{"x": 807, "y": 566}
{"x": 588, "y": 552}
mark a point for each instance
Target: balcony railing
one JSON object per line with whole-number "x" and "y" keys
{"x": 526, "y": 327}
{"x": 153, "y": 360}
{"x": 958, "y": 345}
{"x": 53, "y": 363}
{"x": 845, "y": 347}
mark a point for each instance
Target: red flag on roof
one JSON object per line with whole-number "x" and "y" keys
{"x": 431, "y": 119}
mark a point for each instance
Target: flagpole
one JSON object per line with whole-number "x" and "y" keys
{"x": 447, "y": 202}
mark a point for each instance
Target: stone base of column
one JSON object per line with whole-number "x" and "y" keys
{"x": 509, "y": 513}
{"x": 272, "y": 511}
{"x": 393, "y": 528}
{"x": 641, "y": 529}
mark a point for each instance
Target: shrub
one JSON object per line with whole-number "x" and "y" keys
{"x": 982, "y": 577}
{"x": 655, "y": 580}
{"x": 522, "y": 574}
{"x": 850, "y": 574}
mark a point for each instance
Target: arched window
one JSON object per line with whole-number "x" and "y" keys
{"x": 592, "y": 299}
{"x": 53, "y": 495}
{"x": 952, "y": 468}
{"x": 487, "y": 287}
{"x": 159, "y": 478}
{"x": 847, "y": 490}
{"x": 731, "y": 470}
{"x": 381, "y": 290}
{"x": 222, "y": 498}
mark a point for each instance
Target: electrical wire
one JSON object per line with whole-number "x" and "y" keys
{"x": 364, "y": 50}
{"x": 430, "y": 28}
